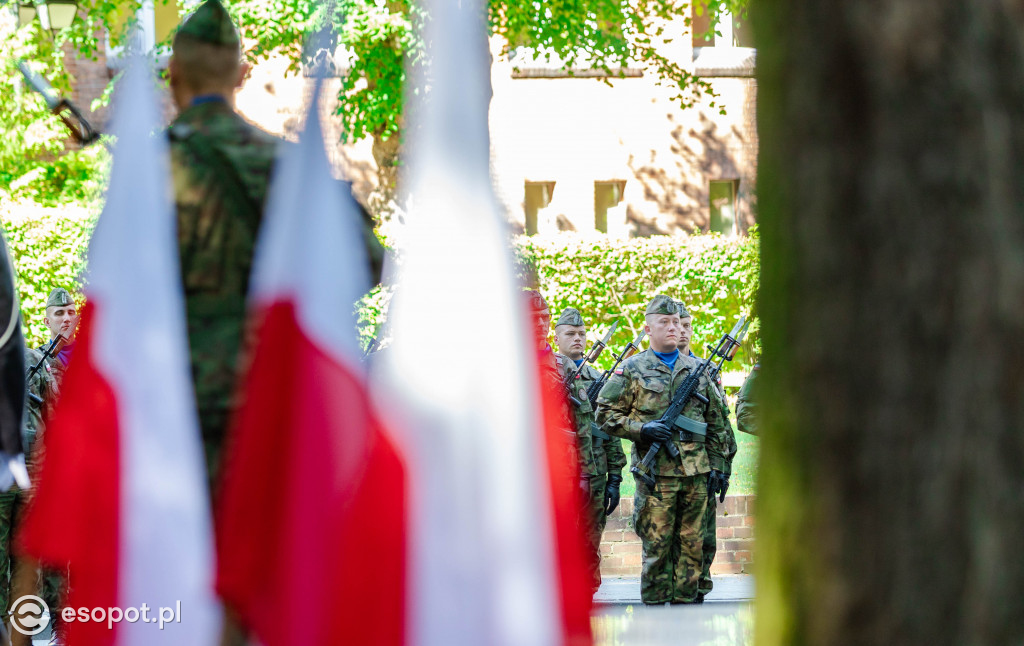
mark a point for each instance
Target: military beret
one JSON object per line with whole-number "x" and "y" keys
{"x": 570, "y": 316}
{"x": 535, "y": 300}
{"x": 59, "y": 298}
{"x": 683, "y": 312}
{"x": 661, "y": 304}
{"x": 210, "y": 23}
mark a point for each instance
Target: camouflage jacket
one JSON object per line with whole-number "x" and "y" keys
{"x": 220, "y": 168}
{"x": 746, "y": 404}
{"x": 554, "y": 369}
{"x": 605, "y": 455}
{"x": 731, "y": 448}
{"x": 45, "y": 385}
{"x": 640, "y": 391}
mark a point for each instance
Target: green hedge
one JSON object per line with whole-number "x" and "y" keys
{"x": 613, "y": 280}
{"x": 48, "y": 249}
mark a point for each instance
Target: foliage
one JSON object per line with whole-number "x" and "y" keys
{"x": 34, "y": 160}
{"x": 48, "y": 250}
{"x": 611, "y": 280}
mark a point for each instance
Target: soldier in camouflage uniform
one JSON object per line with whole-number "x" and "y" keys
{"x": 221, "y": 168}
{"x": 711, "y": 512}
{"x": 602, "y": 465}
{"x": 746, "y": 403}
{"x": 61, "y": 318}
{"x": 669, "y": 520}
{"x": 12, "y": 400}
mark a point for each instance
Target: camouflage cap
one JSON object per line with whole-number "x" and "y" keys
{"x": 210, "y": 23}
{"x": 683, "y": 312}
{"x": 661, "y": 304}
{"x": 535, "y": 300}
{"x": 570, "y": 316}
{"x": 59, "y": 298}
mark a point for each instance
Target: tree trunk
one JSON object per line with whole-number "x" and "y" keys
{"x": 891, "y": 197}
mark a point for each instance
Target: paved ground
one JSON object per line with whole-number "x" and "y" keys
{"x": 725, "y": 619}
{"x": 733, "y": 588}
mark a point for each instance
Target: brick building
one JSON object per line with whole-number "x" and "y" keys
{"x": 569, "y": 151}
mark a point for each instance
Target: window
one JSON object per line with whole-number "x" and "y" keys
{"x": 156, "y": 21}
{"x": 537, "y": 196}
{"x": 607, "y": 196}
{"x": 722, "y": 202}
{"x": 727, "y": 52}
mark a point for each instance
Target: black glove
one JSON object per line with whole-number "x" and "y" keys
{"x": 718, "y": 483}
{"x": 655, "y": 432}
{"x": 611, "y": 493}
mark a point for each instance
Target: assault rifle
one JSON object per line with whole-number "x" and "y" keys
{"x": 80, "y": 128}
{"x": 591, "y": 357}
{"x": 726, "y": 347}
{"x": 50, "y": 350}
{"x": 632, "y": 348}
{"x": 729, "y": 352}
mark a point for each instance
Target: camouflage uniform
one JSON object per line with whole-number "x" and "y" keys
{"x": 711, "y": 512}
{"x": 668, "y": 520}
{"x": 221, "y": 167}
{"x": 43, "y": 389}
{"x": 746, "y": 404}
{"x": 601, "y": 455}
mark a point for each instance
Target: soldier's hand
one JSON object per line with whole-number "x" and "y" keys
{"x": 611, "y": 493}
{"x": 724, "y": 488}
{"x": 655, "y": 432}
{"x": 585, "y": 487}
{"x": 717, "y": 482}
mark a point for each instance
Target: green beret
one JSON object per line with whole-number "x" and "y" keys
{"x": 683, "y": 312}
{"x": 662, "y": 304}
{"x": 210, "y": 23}
{"x": 570, "y": 316}
{"x": 59, "y": 298}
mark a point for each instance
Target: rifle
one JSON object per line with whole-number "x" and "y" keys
{"x": 632, "y": 348}
{"x": 725, "y": 349}
{"x": 53, "y": 348}
{"x": 730, "y": 352}
{"x": 591, "y": 357}
{"x": 81, "y": 130}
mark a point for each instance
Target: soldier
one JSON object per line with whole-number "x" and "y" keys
{"x": 221, "y": 168}
{"x": 746, "y": 403}
{"x": 42, "y": 388}
{"x": 711, "y": 512}
{"x": 602, "y": 465}
{"x": 668, "y": 518}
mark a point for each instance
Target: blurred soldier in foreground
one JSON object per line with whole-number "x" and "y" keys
{"x": 746, "y": 403}
{"x": 221, "y": 167}
{"x": 711, "y": 512}
{"x": 669, "y": 517}
{"x": 12, "y": 397}
{"x": 601, "y": 456}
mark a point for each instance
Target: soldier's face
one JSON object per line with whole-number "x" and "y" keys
{"x": 685, "y": 333}
{"x": 571, "y": 340}
{"x": 542, "y": 325}
{"x": 664, "y": 331}
{"x": 61, "y": 320}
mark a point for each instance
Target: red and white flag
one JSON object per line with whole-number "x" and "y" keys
{"x": 121, "y": 493}
{"x": 311, "y": 539}
{"x": 495, "y": 556}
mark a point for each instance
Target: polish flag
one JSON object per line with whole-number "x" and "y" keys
{"x": 311, "y": 539}
{"x": 495, "y": 554}
{"x": 121, "y": 496}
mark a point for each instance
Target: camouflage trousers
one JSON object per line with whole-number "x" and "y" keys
{"x": 48, "y": 584}
{"x": 710, "y": 544}
{"x": 593, "y": 528}
{"x": 670, "y": 526}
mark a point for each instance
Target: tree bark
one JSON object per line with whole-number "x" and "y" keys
{"x": 891, "y": 197}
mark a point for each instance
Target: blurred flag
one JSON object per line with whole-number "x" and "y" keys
{"x": 311, "y": 545}
{"x": 495, "y": 554}
{"x": 121, "y": 494}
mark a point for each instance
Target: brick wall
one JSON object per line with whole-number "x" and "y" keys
{"x": 621, "y": 552}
